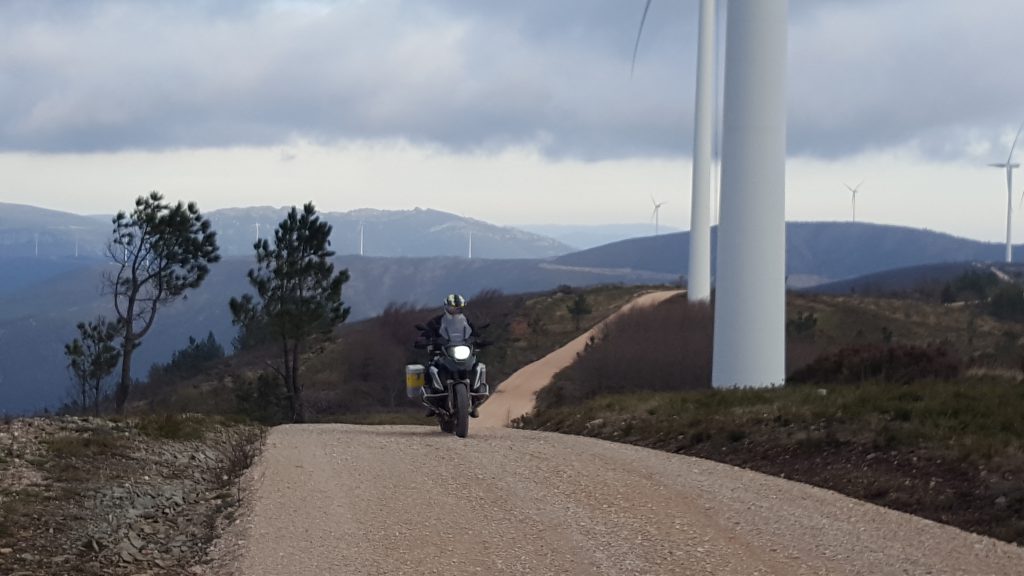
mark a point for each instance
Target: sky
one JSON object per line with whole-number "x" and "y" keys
{"x": 519, "y": 112}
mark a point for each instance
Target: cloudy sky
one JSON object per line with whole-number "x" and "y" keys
{"x": 513, "y": 112}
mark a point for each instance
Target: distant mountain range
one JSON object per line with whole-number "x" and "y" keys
{"x": 816, "y": 252}
{"x": 583, "y": 237}
{"x": 26, "y": 231}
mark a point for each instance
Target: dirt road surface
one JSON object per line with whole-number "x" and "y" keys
{"x": 515, "y": 397}
{"x": 393, "y": 500}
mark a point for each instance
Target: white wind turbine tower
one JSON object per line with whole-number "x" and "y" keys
{"x": 699, "y": 270}
{"x": 657, "y": 212}
{"x": 1009, "y": 165}
{"x": 750, "y": 302}
{"x": 854, "y": 190}
{"x": 360, "y": 238}
{"x": 470, "y": 244}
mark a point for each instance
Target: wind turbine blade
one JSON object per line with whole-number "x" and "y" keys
{"x": 1009, "y": 159}
{"x": 848, "y": 187}
{"x": 639, "y": 33}
{"x": 998, "y": 165}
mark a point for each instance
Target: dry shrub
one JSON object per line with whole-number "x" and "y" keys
{"x": 663, "y": 348}
{"x": 900, "y": 363}
{"x": 237, "y": 451}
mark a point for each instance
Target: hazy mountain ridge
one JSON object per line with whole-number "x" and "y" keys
{"x": 394, "y": 233}
{"x": 591, "y": 236}
{"x": 816, "y": 252}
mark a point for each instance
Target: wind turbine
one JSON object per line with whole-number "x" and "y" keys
{"x": 699, "y": 269}
{"x": 750, "y": 300}
{"x": 656, "y": 213}
{"x": 750, "y": 306}
{"x": 360, "y": 238}
{"x": 853, "y": 192}
{"x": 470, "y": 244}
{"x": 1009, "y": 166}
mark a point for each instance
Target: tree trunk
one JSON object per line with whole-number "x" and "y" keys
{"x": 124, "y": 386}
{"x": 299, "y": 416}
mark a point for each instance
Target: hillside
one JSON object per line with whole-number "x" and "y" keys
{"x": 816, "y": 252}
{"x": 36, "y": 322}
{"x": 908, "y": 404}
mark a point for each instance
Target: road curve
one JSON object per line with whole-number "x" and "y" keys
{"x": 393, "y": 500}
{"x": 516, "y": 395}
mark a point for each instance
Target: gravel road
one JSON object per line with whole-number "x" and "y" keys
{"x": 393, "y": 500}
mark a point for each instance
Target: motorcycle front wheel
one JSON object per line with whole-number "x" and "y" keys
{"x": 461, "y": 410}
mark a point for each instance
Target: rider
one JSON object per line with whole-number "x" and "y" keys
{"x": 451, "y": 322}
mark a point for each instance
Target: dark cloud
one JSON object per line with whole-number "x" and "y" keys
{"x": 486, "y": 74}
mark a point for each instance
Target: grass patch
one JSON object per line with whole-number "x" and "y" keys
{"x": 74, "y": 446}
{"x": 974, "y": 419}
{"x": 187, "y": 427}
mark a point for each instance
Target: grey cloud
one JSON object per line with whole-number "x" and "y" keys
{"x": 484, "y": 75}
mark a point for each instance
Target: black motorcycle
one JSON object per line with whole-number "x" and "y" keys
{"x": 455, "y": 382}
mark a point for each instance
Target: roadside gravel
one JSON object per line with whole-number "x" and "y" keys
{"x": 337, "y": 499}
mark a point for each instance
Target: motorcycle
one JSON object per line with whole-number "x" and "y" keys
{"x": 455, "y": 382}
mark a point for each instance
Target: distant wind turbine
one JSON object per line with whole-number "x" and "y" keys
{"x": 657, "y": 211}
{"x": 470, "y": 244}
{"x": 360, "y": 238}
{"x": 1009, "y": 166}
{"x": 853, "y": 192}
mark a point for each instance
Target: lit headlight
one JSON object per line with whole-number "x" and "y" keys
{"x": 461, "y": 352}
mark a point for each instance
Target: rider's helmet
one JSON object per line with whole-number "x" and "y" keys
{"x": 454, "y": 303}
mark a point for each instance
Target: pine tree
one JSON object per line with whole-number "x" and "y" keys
{"x": 299, "y": 293}
{"x": 160, "y": 251}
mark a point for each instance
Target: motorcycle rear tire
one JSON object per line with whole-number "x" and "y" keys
{"x": 461, "y": 410}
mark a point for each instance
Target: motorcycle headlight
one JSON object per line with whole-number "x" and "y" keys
{"x": 461, "y": 353}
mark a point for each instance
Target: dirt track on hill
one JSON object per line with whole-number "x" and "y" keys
{"x": 390, "y": 500}
{"x": 515, "y": 397}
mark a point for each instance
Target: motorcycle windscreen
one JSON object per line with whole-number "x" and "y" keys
{"x": 455, "y": 328}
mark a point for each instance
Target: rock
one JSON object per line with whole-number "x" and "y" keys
{"x": 1001, "y": 501}
{"x": 6, "y": 551}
